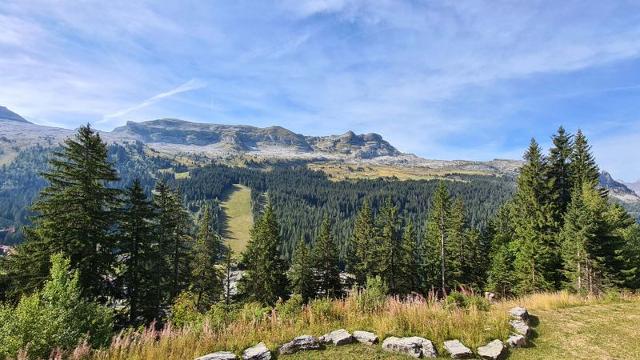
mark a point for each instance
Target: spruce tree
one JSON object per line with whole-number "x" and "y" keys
{"x": 76, "y": 215}
{"x": 500, "y": 277}
{"x": 300, "y": 274}
{"x": 136, "y": 247}
{"x": 390, "y": 248}
{"x": 534, "y": 226}
{"x": 363, "y": 263}
{"x": 265, "y": 278}
{"x": 456, "y": 243}
{"x": 583, "y": 165}
{"x": 207, "y": 278}
{"x": 559, "y": 165}
{"x": 410, "y": 268}
{"x": 435, "y": 242}
{"x": 326, "y": 262}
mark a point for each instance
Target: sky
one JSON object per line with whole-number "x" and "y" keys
{"x": 461, "y": 79}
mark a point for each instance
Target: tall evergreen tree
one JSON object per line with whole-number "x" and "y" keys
{"x": 559, "y": 165}
{"x": 364, "y": 262}
{"x": 410, "y": 269}
{"x": 435, "y": 242}
{"x": 265, "y": 276}
{"x": 75, "y": 216}
{"x": 534, "y": 226}
{"x": 326, "y": 262}
{"x": 456, "y": 243}
{"x": 300, "y": 274}
{"x": 207, "y": 278}
{"x": 136, "y": 249}
{"x": 390, "y": 248}
{"x": 500, "y": 273}
{"x": 583, "y": 165}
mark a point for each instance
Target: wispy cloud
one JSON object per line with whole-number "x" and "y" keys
{"x": 193, "y": 84}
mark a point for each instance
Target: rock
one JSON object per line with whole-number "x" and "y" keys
{"x": 220, "y": 355}
{"x": 365, "y": 337}
{"x": 519, "y": 313}
{"x": 337, "y": 337}
{"x": 491, "y": 297}
{"x": 301, "y": 343}
{"x": 457, "y": 350}
{"x": 521, "y": 327}
{"x": 516, "y": 341}
{"x": 413, "y": 346}
{"x": 492, "y": 351}
{"x": 257, "y": 352}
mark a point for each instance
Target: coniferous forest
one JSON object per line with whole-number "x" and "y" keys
{"x": 112, "y": 247}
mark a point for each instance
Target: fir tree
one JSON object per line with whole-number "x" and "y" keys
{"x": 136, "y": 247}
{"x": 410, "y": 269}
{"x": 456, "y": 243}
{"x": 559, "y": 165}
{"x": 363, "y": 263}
{"x": 435, "y": 249}
{"x": 326, "y": 262}
{"x": 500, "y": 273}
{"x": 207, "y": 279}
{"x": 583, "y": 165}
{"x": 300, "y": 274}
{"x": 265, "y": 276}
{"x": 76, "y": 216}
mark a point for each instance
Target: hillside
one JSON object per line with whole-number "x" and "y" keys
{"x": 237, "y": 218}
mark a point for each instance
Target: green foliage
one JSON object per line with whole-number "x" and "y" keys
{"x": 301, "y": 276}
{"x": 291, "y": 308}
{"x": 184, "y": 310}
{"x": 373, "y": 296}
{"x": 55, "y": 317}
{"x": 326, "y": 263}
{"x": 207, "y": 277}
{"x": 363, "y": 261}
{"x": 390, "y": 248}
{"x": 460, "y": 300}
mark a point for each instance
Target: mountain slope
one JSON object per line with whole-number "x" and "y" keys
{"x": 6, "y": 114}
{"x": 618, "y": 189}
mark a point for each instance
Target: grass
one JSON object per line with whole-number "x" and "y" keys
{"x": 339, "y": 171}
{"x": 570, "y": 327}
{"x": 238, "y": 218}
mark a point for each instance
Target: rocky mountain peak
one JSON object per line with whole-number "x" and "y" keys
{"x": 6, "y": 114}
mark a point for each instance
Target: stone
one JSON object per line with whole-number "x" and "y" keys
{"x": 413, "y": 346}
{"x": 492, "y": 351}
{"x": 521, "y": 327}
{"x": 516, "y": 341}
{"x": 491, "y": 297}
{"x": 337, "y": 337}
{"x": 301, "y": 343}
{"x": 257, "y": 352}
{"x": 365, "y": 337}
{"x": 519, "y": 313}
{"x": 220, "y": 355}
{"x": 457, "y": 350}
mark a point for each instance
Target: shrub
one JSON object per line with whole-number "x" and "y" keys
{"x": 323, "y": 309}
{"x": 184, "y": 310}
{"x": 291, "y": 308}
{"x": 253, "y": 312}
{"x": 55, "y": 317}
{"x": 373, "y": 296}
{"x": 460, "y": 300}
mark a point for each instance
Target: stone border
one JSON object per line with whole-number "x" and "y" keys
{"x": 413, "y": 346}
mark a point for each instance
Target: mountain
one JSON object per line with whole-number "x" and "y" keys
{"x": 635, "y": 186}
{"x": 6, "y": 114}
{"x": 618, "y": 189}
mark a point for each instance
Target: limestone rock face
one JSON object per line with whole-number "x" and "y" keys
{"x": 257, "y": 352}
{"x": 519, "y": 313}
{"x": 413, "y": 346}
{"x": 521, "y": 327}
{"x": 516, "y": 341}
{"x": 492, "y": 351}
{"x": 301, "y": 343}
{"x": 457, "y": 350}
{"x": 220, "y": 355}
{"x": 365, "y": 337}
{"x": 337, "y": 337}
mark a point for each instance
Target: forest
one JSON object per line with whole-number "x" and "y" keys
{"x": 107, "y": 250}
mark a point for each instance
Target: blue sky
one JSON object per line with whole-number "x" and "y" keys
{"x": 442, "y": 79}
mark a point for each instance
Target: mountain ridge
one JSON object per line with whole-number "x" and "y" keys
{"x": 7, "y": 114}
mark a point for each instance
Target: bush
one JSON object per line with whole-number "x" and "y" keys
{"x": 184, "y": 311}
{"x": 291, "y": 308}
{"x": 253, "y": 312}
{"x": 460, "y": 300}
{"x": 373, "y": 296}
{"x": 323, "y": 309}
{"x": 55, "y": 317}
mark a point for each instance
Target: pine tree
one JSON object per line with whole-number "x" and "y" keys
{"x": 390, "y": 248}
{"x": 363, "y": 263}
{"x": 136, "y": 249}
{"x": 500, "y": 273}
{"x": 207, "y": 279}
{"x": 75, "y": 216}
{"x": 409, "y": 279}
{"x": 435, "y": 242}
{"x": 456, "y": 243}
{"x": 326, "y": 262}
{"x": 534, "y": 227}
{"x": 300, "y": 274}
{"x": 583, "y": 165}
{"x": 560, "y": 173}
{"x": 265, "y": 277}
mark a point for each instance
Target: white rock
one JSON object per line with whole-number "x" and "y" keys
{"x": 457, "y": 350}
{"x": 492, "y": 351}
{"x": 519, "y": 313}
{"x": 337, "y": 337}
{"x": 365, "y": 337}
{"x": 516, "y": 341}
{"x": 301, "y": 343}
{"x": 521, "y": 327}
{"x": 220, "y": 355}
{"x": 257, "y": 352}
{"x": 413, "y": 346}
